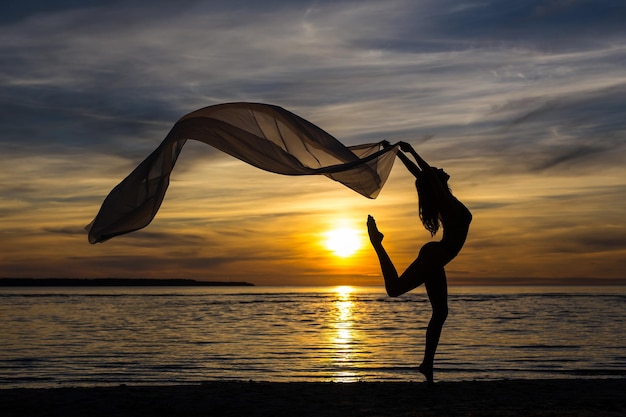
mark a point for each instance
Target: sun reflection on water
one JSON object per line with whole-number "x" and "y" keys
{"x": 343, "y": 342}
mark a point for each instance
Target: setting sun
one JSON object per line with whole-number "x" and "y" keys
{"x": 343, "y": 242}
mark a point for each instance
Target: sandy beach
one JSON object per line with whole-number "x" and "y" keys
{"x": 493, "y": 398}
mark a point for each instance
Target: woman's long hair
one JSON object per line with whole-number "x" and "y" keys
{"x": 428, "y": 207}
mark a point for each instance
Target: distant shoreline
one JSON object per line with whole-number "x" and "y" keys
{"x": 116, "y": 282}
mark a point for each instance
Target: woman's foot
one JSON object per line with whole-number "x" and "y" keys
{"x": 375, "y": 236}
{"x": 427, "y": 372}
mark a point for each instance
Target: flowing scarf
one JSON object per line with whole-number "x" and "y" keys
{"x": 265, "y": 136}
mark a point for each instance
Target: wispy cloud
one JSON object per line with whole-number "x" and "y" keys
{"x": 512, "y": 97}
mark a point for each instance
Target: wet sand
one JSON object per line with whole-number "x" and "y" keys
{"x": 490, "y": 398}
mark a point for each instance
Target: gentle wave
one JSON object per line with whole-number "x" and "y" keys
{"x": 96, "y": 336}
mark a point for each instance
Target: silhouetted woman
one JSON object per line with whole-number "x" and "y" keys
{"x": 437, "y": 206}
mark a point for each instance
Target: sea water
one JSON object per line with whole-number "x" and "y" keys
{"x": 171, "y": 335}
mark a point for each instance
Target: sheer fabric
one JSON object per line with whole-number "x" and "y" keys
{"x": 265, "y": 136}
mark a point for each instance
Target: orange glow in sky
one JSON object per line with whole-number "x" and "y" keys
{"x": 527, "y": 119}
{"x": 343, "y": 242}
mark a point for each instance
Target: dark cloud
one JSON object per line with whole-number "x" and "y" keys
{"x": 597, "y": 109}
{"x": 151, "y": 239}
{"x": 18, "y": 10}
{"x": 69, "y": 231}
{"x": 97, "y": 120}
{"x": 584, "y": 129}
{"x": 543, "y": 24}
{"x": 590, "y": 242}
{"x": 546, "y": 25}
{"x": 569, "y": 156}
{"x": 136, "y": 265}
{"x": 117, "y": 96}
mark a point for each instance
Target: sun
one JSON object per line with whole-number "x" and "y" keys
{"x": 343, "y": 242}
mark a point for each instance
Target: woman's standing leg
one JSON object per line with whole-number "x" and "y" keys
{"x": 437, "y": 290}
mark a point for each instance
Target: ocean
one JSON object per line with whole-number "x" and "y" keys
{"x": 61, "y": 336}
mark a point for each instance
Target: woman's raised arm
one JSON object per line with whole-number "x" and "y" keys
{"x": 413, "y": 169}
{"x": 407, "y": 147}
{"x": 426, "y": 170}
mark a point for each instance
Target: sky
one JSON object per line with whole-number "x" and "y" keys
{"x": 523, "y": 103}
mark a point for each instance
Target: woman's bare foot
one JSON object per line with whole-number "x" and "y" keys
{"x": 427, "y": 372}
{"x": 375, "y": 236}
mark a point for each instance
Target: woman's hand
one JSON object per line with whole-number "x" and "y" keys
{"x": 406, "y": 147}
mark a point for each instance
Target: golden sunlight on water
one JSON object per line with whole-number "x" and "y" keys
{"x": 343, "y": 337}
{"x": 95, "y": 336}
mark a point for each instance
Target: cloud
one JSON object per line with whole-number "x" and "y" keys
{"x": 72, "y": 231}
{"x": 549, "y": 25}
{"x": 588, "y": 243}
{"x": 322, "y": 61}
{"x": 523, "y": 102}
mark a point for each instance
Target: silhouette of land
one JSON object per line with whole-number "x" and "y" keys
{"x": 115, "y": 282}
{"x": 573, "y": 398}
